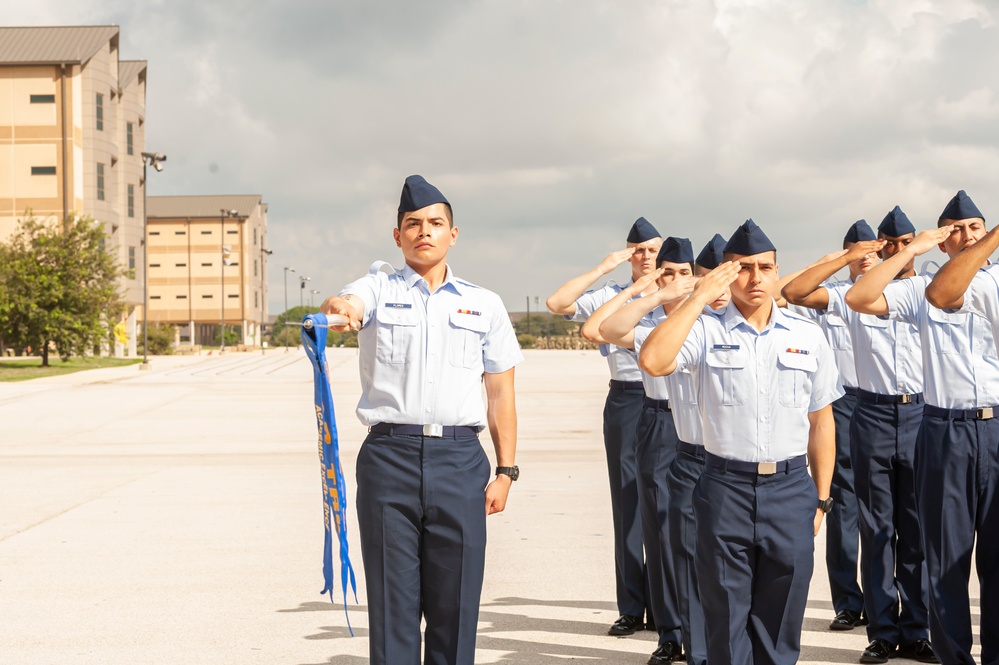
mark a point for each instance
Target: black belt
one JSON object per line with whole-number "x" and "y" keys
{"x": 432, "y": 431}
{"x": 985, "y": 413}
{"x": 877, "y": 398}
{"x": 658, "y": 404}
{"x": 851, "y": 391}
{"x": 755, "y": 468}
{"x": 690, "y": 449}
{"x": 629, "y": 386}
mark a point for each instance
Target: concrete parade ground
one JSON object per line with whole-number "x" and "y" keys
{"x": 175, "y": 516}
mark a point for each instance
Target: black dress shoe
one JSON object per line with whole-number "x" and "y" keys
{"x": 920, "y": 650}
{"x": 626, "y": 624}
{"x": 878, "y": 651}
{"x": 847, "y": 620}
{"x": 666, "y": 653}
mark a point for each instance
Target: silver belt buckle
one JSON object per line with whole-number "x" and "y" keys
{"x": 905, "y": 399}
{"x": 433, "y": 430}
{"x": 766, "y": 468}
{"x": 984, "y": 414}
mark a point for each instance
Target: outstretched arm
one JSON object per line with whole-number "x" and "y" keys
{"x": 946, "y": 291}
{"x": 348, "y": 306}
{"x": 591, "y": 329}
{"x": 658, "y": 354}
{"x": 867, "y": 295}
{"x": 563, "y": 301}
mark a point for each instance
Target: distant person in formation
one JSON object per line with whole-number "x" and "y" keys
{"x": 428, "y": 342}
{"x": 757, "y": 509}
{"x": 808, "y": 296}
{"x": 622, "y": 410}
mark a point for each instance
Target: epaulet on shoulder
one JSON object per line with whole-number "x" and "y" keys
{"x": 464, "y": 282}
{"x": 377, "y": 268}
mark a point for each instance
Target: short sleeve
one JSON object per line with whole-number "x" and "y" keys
{"x": 692, "y": 352}
{"x": 642, "y": 332}
{"x": 588, "y": 303}
{"x": 826, "y": 387}
{"x": 904, "y": 297}
{"x": 837, "y": 300}
{"x": 500, "y": 349}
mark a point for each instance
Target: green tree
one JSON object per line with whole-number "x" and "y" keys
{"x": 59, "y": 286}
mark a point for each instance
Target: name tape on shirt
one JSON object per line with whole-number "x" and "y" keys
{"x": 469, "y": 311}
{"x": 399, "y": 305}
{"x": 725, "y": 347}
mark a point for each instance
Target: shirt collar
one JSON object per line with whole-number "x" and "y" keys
{"x": 732, "y": 318}
{"x": 413, "y": 278}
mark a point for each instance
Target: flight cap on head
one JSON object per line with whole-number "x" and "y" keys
{"x": 713, "y": 253}
{"x": 676, "y": 250}
{"x": 896, "y": 224}
{"x": 961, "y": 207}
{"x": 749, "y": 239}
{"x": 642, "y": 230}
{"x": 859, "y": 232}
{"x": 417, "y": 193}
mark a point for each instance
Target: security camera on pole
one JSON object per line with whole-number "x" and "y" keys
{"x": 226, "y": 252}
{"x": 155, "y": 160}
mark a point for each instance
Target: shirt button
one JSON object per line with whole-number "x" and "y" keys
{"x": 428, "y": 409}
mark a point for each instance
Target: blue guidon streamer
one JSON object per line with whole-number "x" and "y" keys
{"x": 314, "y": 332}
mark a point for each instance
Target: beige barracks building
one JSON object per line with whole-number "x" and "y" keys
{"x": 72, "y": 130}
{"x": 208, "y": 261}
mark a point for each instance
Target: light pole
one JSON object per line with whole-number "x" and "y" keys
{"x": 312, "y": 292}
{"x": 155, "y": 160}
{"x": 301, "y": 289}
{"x": 263, "y": 293}
{"x": 284, "y": 334}
{"x": 223, "y": 213}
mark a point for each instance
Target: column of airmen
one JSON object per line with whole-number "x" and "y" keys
{"x": 746, "y": 408}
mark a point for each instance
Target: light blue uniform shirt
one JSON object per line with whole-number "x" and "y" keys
{"x": 678, "y": 387}
{"x": 422, "y": 355}
{"x": 756, "y": 388}
{"x": 655, "y": 386}
{"x": 886, "y": 352}
{"x": 623, "y": 363}
{"x": 837, "y": 332}
{"x": 960, "y": 360}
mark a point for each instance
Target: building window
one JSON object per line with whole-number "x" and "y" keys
{"x": 181, "y": 265}
{"x": 154, "y": 265}
{"x": 181, "y": 297}
{"x": 233, "y": 295}
{"x": 254, "y": 267}
{"x": 231, "y": 233}
{"x": 131, "y": 200}
{"x": 100, "y": 182}
{"x": 254, "y": 237}
{"x": 207, "y": 295}
{"x": 178, "y": 233}
{"x": 130, "y": 138}
{"x": 154, "y": 297}
{"x": 233, "y": 263}
{"x": 43, "y": 170}
{"x": 100, "y": 112}
{"x": 131, "y": 262}
{"x": 206, "y": 265}
{"x": 43, "y": 99}
{"x": 256, "y": 299}
{"x": 206, "y": 233}
{"x": 154, "y": 233}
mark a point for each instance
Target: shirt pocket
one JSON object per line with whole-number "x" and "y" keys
{"x": 397, "y": 335}
{"x": 838, "y": 333}
{"x": 728, "y": 380}
{"x": 880, "y": 335}
{"x": 467, "y": 336}
{"x": 945, "y": 329}
{"x": 685, "y": 387}
{"x": 795, "y": 372}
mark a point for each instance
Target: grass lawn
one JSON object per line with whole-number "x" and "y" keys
{"x": 23, "y": 369}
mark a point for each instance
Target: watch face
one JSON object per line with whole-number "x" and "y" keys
{"x": 826, "y": 505}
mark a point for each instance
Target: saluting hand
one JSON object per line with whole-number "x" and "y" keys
{"x": 679, "y": 287}
{"x": 645, "y": 281}
{"x": 861, "y": 249}
{"x": 614, "y": 259}
{"x": 929, "y": 239}
{"x": 713, "y": 285}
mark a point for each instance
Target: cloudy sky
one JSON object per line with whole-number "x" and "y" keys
{"x": 552, "y": 125}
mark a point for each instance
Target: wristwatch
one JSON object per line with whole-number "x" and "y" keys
{"x": 512, "y": 471}
{"x": 825, "y": 505}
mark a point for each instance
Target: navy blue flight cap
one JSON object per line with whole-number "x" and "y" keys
{"x": 896, "y": 224}
{"x": 642, "y": 230}
{"x": 417, "y": 193}
{"x": 713, "y": 253}
{"x": 675, "y": 250}
{"x": 859, "y": 232}
{"x": 961, "y": 207}
{"x": 749, "y": 239}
